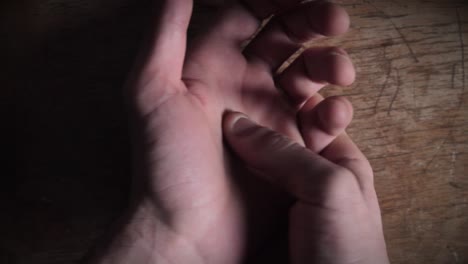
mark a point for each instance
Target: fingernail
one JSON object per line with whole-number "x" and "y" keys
{"x": 242, "y": 125}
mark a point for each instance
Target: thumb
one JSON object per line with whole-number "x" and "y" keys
{"x": 167, "y": 43}
{"x": 276, "y": 157}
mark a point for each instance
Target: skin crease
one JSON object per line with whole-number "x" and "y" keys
{"x": 194, "y": 200}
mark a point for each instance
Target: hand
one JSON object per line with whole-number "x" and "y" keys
{"x": 336, "y": 217}
{"x": 192, "y": 202}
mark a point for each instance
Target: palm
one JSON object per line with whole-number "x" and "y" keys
{"x": 187, "y": 170}
{"x": 189, "y": 129}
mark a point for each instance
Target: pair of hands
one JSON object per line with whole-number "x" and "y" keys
{"x": 195, "y": 201}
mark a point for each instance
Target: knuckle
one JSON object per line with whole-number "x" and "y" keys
{"x": 340, "y": 180}
{"x": 361, "y": 168}
{"x": 341, "y": 191}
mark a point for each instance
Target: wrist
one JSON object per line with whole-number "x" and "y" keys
{"x": 142, "y": 237}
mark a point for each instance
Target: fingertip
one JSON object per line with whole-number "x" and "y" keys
{"x": 321, "y": 122}
{"x": 330, "y": 65}
{"x": 341, "y": 68}
{"x": 335, "y": 114}
{"x": 235, "y": 123}
{"x": 330, "y": 19}
{"x": 230, "y": 118}
{"x": 339, "y": 21}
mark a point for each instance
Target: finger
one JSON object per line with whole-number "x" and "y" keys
{"x": 315, "y": 18}
{"x": 321, "y": 121}
{"x": 264, "y": 8}
{"x": 168, "y": 44}
{"x": 283, "y": 35}
{"x": 280, "y": 160}
{"x": 220, "y": 47}
{"x": 315, "y": 68}
{"x": 230, "y": 21}
{"x": 344, "y": 152}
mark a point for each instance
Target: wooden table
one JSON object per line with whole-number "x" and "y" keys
{"x": 411, "y": 120}
{"x": 71, "y": 180}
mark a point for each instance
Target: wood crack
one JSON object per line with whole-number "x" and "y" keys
{"x": 398, "y": 30}
{"x": 435, "y": 154}
{"x": 387, "y": 76}
{"x": 462, "y": 49}
{"x": 390, "y": 107}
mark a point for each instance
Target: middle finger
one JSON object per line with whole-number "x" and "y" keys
{"x": 285, "y": 33}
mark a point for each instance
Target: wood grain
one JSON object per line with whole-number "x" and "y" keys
{"x": 411, "y": 120}
{"x": 70, "y": 62}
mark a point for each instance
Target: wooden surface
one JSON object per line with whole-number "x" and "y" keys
{"x": 67, "y": 60}
{"x": 411, "y": 120}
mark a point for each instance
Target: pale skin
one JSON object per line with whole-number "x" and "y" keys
{"x": 213, "y": 187}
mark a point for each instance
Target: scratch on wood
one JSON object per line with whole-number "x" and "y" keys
{"x": 389, "y": 71}
{"x": 452, "y": 164}
{"x": 454, "y": 67}
{"x": 455, "y": 256}
{"x": 390, "y": 107}
{"x": 462, "y": 48}
{"x": 397, "y": 30}
{"x": 404, "y": 40}
{"x": 455, "y": 185}
{"x": 435, "y": 155}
